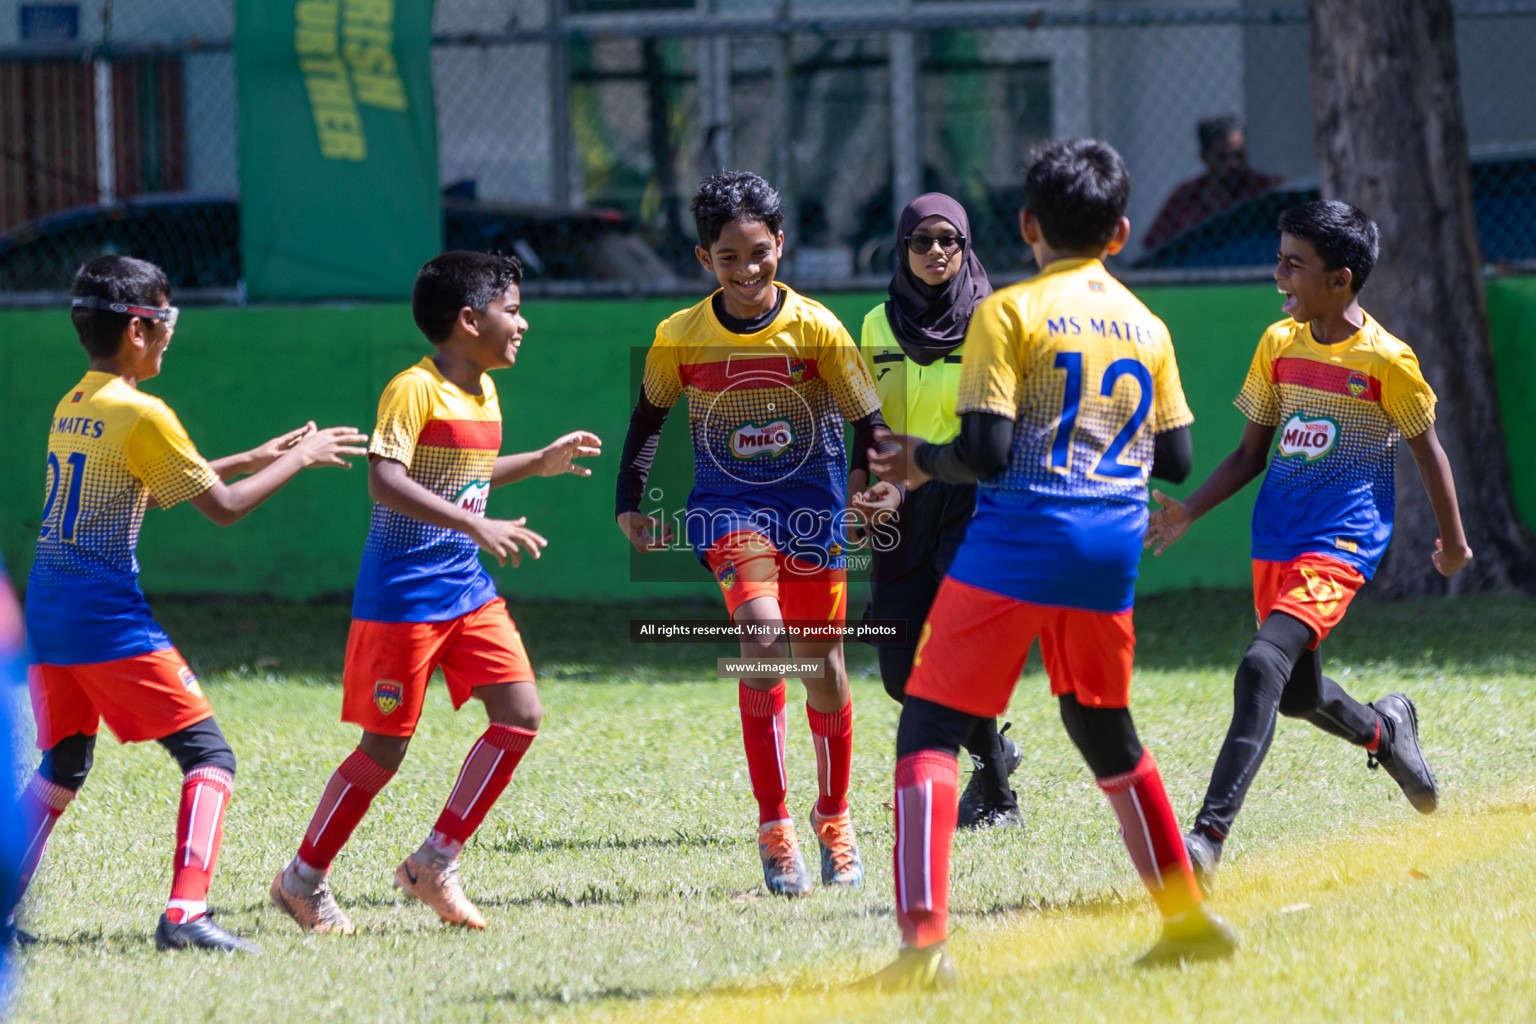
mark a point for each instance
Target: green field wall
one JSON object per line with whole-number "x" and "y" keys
{"x": 238, "y": 376}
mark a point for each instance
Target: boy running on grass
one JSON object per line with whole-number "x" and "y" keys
{"x": 95, "y": 651}
{"x": 1069, "y": 398}
{"x": 423, "y": 599}
{"x": 1340, "y": 391}
{"x": 770, "y": 378}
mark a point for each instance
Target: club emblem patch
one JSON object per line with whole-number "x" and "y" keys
{"x": 726, "y": 574}
{"x": 834, "y": 549}
{"x": 1357, "y": 384}
{"x": 386, "y": 695}
{"x": 189, "y": 681}
{"x": 797, "y": 372}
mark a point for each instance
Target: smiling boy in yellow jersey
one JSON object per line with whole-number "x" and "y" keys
{"x": 96, "y": 653}
{"x": 1339, "y": 391}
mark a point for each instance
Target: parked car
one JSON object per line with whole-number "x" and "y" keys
{"x": 196, "y": 239}
{"x": 1246, "y": 235}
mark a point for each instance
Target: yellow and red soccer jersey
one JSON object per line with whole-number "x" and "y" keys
{"x": 110, "y": 448}
{"x": 1088, "y": 375}
{"x": 448, "y": 440}
{"x": 1339, "y": 410}
{"x": 766, "y": 413}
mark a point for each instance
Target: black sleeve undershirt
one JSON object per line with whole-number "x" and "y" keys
{"x": 639, "y": 452}
{"x": 980, "y": 450}
{"x": 1172, "y": 455}
{"x": 864, "y": 439}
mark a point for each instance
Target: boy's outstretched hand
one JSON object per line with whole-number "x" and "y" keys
{"x": 1449, "y": 563}
{"x": 559, "y": 455}
{"x": 264, "y": 456}
{"x": 329, "y": 447}
{"x": 640, "y": 530}
{"x": 507, "y": 539}
{"x": 896, "y": 459}
{"x": 879, "y": 499}
{"x": 1167, "y": 524}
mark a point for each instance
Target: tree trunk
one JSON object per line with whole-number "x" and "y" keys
{"x": 1386, "y": 101}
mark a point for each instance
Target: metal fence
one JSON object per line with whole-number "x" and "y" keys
{"x": 574, "y": 131}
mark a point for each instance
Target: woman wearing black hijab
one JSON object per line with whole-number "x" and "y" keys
{"x": 912, "y": 343}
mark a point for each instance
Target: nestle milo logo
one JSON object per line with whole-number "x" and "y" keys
{"x": 473, "y": 497}
{"x": 1307, "y": 439}
{"x": 753, "y": 439}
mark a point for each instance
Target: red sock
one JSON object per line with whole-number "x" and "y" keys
{"x": 345, "y": 800}
{"x": 41, "y": 804}
{"x": 763, "y": 721}
{"x": 833, "y": 736}
{"x": 927, "y": 802}
{"x": 199, "y": 830}
{"x": 1375, "y": 743}
{"x": 1151, "y": 835}
{"x": 486, "y": 772}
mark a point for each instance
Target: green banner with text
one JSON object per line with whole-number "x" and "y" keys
{"x": 337, "y": 146}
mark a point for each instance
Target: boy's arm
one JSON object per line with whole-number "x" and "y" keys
{"x": 228, "y": 503}
{"x": 261, "y": 457}
{"x": 390, "y": 484}
{"x": 553, "y": 459}
{"x": 1169, "y": 523}
{"x": 640, "y": 443}
{"x": 1451, "y": 553}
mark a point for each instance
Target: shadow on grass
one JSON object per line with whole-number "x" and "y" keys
{"x": 1192, "y": 630}
{"x": 530, "y": 844}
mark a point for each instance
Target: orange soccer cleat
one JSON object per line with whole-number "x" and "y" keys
{"x": 316, "y": 912}
{"x": 840, "y": 861}
{"x": 435, "y": 882}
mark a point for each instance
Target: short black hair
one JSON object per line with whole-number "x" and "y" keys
{"x": 1341, "y": 233}
{"x": 1212, "y": 130}
{"x": 1078, "y": 190}
{"x": 454, "y": 280}
{"x": 734, "y": 195}
{"x": 133, "y": 282}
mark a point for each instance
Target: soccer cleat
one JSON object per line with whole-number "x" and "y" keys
{"x": 317, "y": 912}
{"x": 1399, "y": 753}
{"x": 840, "y": 861}
{"x": 784, "y": 870}
{"x": 436, "y": 883}
{"x": 975, "y": 810}
{"x": 914, "y": 970}
{"x": 1204, "y": 855}
{"x": 200, "y": 933}
{"x": 1196, "y": 934}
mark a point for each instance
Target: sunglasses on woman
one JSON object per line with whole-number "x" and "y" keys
{"x": 921, "y": 244}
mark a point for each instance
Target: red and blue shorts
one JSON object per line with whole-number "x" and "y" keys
{"x": 145, "y": 697}
{"x": 747, "y": 565}
{"x": 389, "y": 663}
{"x": 1313, "y": 588}
{"x": 975, "y": 641}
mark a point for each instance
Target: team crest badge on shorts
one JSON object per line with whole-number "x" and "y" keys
{"x": 386, "y": 695}
{"x": 1357, "y": 384}
{"x": 189, "y": 681}
{"x": 834, "y": 549}
{"x": 726, "y": 574}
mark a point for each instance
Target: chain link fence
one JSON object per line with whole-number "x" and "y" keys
{"x": 573, "y": 132}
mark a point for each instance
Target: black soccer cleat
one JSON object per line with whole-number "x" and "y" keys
{"x": 1204, "y": 856}
{"x": 200, "y": 933}
{"x": 975, "y": 810}
{"x": 1399, "y": 752}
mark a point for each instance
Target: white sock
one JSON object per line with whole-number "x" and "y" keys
{"x": 190, "y": 909}
{"x": 441, "y": 846}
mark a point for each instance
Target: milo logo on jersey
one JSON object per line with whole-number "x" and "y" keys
{"x": 771, "y": 439}
{"x": 1307, "y": 439}
{"x": 473, "y": 497}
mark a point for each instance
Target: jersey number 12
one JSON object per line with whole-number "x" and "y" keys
{"x": 1109, "y": 464}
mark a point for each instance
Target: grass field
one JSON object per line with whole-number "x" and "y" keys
{"x": 621, "y": 880}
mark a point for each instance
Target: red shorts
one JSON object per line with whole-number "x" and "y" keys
{"x": 389, "y": 663}
{"x": 974, "y": 643}
{"x": 747, "y": 565}
{"x": 145, "y": 697}
{"x": 1313, "y": 588}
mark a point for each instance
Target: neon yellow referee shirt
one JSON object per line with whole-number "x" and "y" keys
{"x": 917, "y": 400}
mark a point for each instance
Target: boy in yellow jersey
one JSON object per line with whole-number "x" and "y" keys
{"x": 423, "y": 600}
{"x": 1069, "y": 399}
{"x": 1328, "y": 395}
{"x": 770, "y": 378}
{"x": 95, "y": 650}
